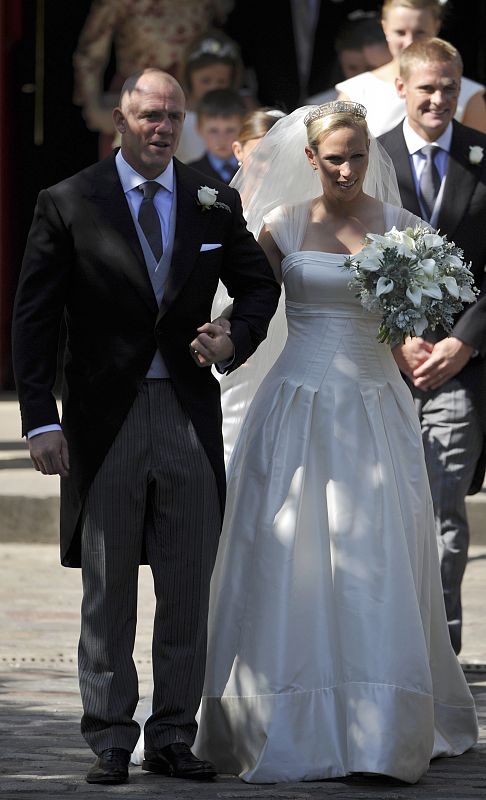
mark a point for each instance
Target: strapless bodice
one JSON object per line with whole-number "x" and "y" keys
{"x": 319, "y": 282}
{"x": 329, "y": 332}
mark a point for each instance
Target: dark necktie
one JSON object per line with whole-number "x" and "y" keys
{"x": 227, "y": 171}
{"x": 429, "y": 179}
{"x": 149, "y": 218}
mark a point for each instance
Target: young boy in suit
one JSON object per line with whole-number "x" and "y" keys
{"x": 219, "y": 117}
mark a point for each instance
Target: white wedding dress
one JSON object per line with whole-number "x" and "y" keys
{"x": 329, "y": 652}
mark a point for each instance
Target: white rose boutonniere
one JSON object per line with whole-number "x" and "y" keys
{"x": 207, "y": 198}
{"x": 476, "y": 154}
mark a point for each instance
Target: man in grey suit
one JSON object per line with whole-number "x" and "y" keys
{"x": 441, "y": 171}
{"x": 130, "y": 251}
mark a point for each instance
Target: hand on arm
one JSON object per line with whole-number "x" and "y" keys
{"x": 448, "y": 357}
{"x": 49, "y": 453}
{"x": 224, "y": 319}
{"x": 411, "y": 354}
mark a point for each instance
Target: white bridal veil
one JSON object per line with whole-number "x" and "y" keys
{"x": 278, "y": 173}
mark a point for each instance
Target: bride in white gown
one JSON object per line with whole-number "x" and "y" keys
{"x": 328, "y": 651}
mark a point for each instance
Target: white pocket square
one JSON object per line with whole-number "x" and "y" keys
{"x": 205, "y": 247}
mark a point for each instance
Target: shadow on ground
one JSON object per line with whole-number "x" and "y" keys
{"x": 43, "y": 755}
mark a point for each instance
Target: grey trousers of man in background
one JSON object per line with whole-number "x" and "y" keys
{"x": 452, "y": 437}
{"x": 155, "y": 491}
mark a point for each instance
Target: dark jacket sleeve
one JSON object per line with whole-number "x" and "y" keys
{"x": 471, "y": 325}
{"x": 38, "y": 310}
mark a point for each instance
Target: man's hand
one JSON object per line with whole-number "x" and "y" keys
{"x": 448, "y": 357}
{"x": 49, "y": 453}
{"x": 212, "y": 345}
{"x": 224, "y": 323}
{"x": 411, "y": 354}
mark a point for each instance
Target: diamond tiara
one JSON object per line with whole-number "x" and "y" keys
{"x": 335, "y": 107}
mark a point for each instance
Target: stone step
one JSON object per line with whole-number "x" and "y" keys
{"x": 35, "y": 519}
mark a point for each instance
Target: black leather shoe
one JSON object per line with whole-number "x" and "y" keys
{"x": 110, "y": 767}
{"x": 177, "y": 761}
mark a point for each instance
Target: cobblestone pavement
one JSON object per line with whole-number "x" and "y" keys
{"x": 42, "y": 753}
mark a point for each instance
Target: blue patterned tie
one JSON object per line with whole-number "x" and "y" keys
{"x": 429, "y": 179}
{"x": 149, "y": 219}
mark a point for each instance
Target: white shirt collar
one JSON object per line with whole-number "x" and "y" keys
{"x": 130, "y": 179}
{"x": 415, "y": 142}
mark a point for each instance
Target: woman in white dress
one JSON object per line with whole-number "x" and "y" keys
{"x": 328, "y": 651}
{"x": 405, "y": 21}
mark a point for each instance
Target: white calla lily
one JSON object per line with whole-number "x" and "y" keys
{"x": 375, "y": 237}
{"x": 466, "y": 294}
{"x": 433, "y": 290}
{"x": 383, "y": 286}
{"x": 454, "y": 261}
{"x": 415, "y": 295}
{"x": 371, "y": 264}
{"x": 451, "y": 285}
{"x": 428, "y": 266}
{"x": 420, "y": 325}
{"x": 367, "y": 251}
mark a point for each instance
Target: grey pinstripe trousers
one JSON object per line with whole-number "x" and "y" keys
{"x": 452, "y": 437}
{"x": 155, "y": 490}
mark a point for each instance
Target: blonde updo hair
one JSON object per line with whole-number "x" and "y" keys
{"x": 434, "y": 6}
{"x": 318, "y": 129}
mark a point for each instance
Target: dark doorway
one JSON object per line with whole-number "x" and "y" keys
{"x": 46, "y": 137}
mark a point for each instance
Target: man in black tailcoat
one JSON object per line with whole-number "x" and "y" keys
{"x": 130, "y": 251}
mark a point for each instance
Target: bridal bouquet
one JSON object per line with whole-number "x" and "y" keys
{"x": 414, "y": 278}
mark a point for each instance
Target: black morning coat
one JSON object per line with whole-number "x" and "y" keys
{"x": 83, "y": 259}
